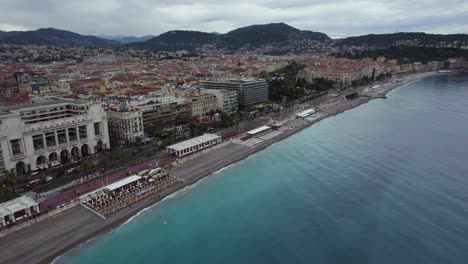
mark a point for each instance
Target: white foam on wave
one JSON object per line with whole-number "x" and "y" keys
{"x": 75, "y": 249}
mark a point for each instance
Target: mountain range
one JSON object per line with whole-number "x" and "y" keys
{"x": 403, "y": 39}
{"x": 274, "y": 38}
{"x": 54, "y": 37}
{"x": 126, "y": 39}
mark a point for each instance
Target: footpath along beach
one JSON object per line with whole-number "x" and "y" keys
{"x": 46, "y": 240}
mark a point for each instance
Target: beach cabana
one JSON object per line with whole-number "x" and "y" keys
{"x": 195, "y": 144}
{"x": 17, "y": 209}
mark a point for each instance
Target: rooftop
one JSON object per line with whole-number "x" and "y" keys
{"x": 48, "y": 101}
{"x": 258, "y": 130}
{"x": 15, "y": 205}
{"x": 193, "y": 142}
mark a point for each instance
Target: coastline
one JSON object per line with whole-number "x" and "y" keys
{"x": 78, "y": 232}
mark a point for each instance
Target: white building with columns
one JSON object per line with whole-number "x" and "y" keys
{"x": 51, "y": 132}
{"x": 17, "y": 209}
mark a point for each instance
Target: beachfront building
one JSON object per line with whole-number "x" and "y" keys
{"x": 125, "y": 127}
{"x": 250, "y": 92}
{"x": 17, "y": 209}
{"x": 305, "y": 113}
{"x": 50, "y": 132}
{"x": 127, "y": 191}
{"x": 259, "y": 131}
{"x": 162, "y": 116}
{"x": 226, "y": 100}
{"x": 193, "y": 145}
{"x": 201, "y": 104}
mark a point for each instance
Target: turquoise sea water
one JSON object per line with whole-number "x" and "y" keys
{"x": 384, "y": 183}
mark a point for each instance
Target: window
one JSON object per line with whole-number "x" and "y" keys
{"x": 62, "y": 137}
{"x": 72, "y": 134}
{"x": 50, "y": 139}
{"x": 16, "y": 146}
{"x": 82, "y": 131}
{"x": 38, "y": 142}
{"x": 97, "y": 128}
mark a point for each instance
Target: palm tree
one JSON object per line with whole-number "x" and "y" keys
{"x": 10, "y": 178}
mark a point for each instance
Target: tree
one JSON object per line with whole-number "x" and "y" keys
{"x": 85, "y": 166}
{"x": 138, "y": 140}
{"x": 10, "y": 179}
{"x": 226, "y": 120}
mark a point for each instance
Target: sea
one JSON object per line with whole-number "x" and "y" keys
{"x": 386, "y": 182}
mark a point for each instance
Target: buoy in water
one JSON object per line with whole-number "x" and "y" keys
{"x": 165, "y": 222}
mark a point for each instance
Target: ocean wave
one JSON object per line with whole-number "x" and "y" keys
{"x": 57, "y": 260}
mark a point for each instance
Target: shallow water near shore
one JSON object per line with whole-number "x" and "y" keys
{"x": 386, "y": 182}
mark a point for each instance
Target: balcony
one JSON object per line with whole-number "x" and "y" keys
{"x": 83, "y": 140}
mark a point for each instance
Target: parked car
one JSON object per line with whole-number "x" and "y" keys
{"x": 33, "y": 183}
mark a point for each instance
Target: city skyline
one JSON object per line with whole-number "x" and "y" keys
{"x": 138, "y": 18}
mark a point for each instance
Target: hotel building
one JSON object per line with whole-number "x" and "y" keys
{"x": 226, "y": 100}
{"x": 250, "y": 92}
{"x": 50, "y": 132}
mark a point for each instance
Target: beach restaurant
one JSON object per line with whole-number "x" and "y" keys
{"x": 258, "y": 131}
{"x": 305, "y": 113}
{"x": 112, "y": 188}
{"x": 17, "y": 209}
{"x": 193, "y": 145}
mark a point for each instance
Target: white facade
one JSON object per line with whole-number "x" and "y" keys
{"x": 125, "y": 127}
{"x": 193, "y": 145}
{"x": 226, "y": 100}
{"x": 55, "y": 131}
{"x": 17, "y": 209}
{"x": 202, "y": 104}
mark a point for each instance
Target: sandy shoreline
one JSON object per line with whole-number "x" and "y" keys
{"x": 51, "y": 238}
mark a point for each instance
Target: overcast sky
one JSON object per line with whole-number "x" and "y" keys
{"x": 337, "y": 18}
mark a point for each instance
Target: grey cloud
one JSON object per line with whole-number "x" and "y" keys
{"x": 141, "y": 17}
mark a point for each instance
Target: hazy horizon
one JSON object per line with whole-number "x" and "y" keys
{"x": 109, "y": 36}
{"x": 339, "y": 18}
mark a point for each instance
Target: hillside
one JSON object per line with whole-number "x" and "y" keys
{"x": 406, "y": 39}
{"x": 178, "y": 40}
{"x": 126, "y": 39}
{"x": 408, "y": 54}
{"x": 275, "y": 33}
{"x": 54, "y": 37}
{"x": 275, "y": 37}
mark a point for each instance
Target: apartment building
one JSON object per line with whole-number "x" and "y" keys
{"x": 226, "y": 100}
{"x": 124, "y": 126}
{"x": 250, "y": 92}
{"x": 201, "y": 104}
{"x": 160, "y": 117}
